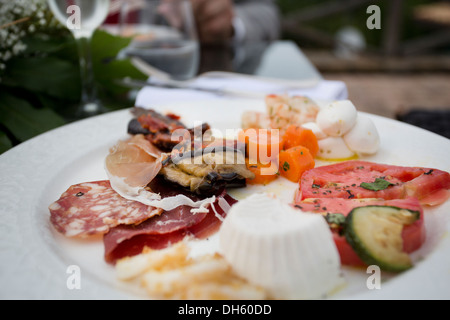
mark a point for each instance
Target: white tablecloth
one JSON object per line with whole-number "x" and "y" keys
{"x": 324, "y": 90}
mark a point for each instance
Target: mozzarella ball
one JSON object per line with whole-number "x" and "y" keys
{"x": 315, "y": 129}
{"x": 363, "y": 137}
{"x": 337, "y": 118}
{"x": 334, "y": 148}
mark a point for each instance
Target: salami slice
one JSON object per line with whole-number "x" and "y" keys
{"x": 92, "y": 208}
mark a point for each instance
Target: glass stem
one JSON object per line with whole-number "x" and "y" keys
{"x": 89, "y": 103}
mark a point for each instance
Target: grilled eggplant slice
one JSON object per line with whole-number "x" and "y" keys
{"x": 207, "y": 171}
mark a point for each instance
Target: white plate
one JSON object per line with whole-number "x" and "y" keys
{"x": 35, "y": 260}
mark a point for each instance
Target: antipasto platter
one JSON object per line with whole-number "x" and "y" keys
{"x": 47, "y": 253}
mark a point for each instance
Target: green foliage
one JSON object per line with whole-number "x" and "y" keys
{"x": 357, "y": 18}
{"x": 24, "y": 121}
{"x": 40, "y": 88}
{"x": 107, "y": 69}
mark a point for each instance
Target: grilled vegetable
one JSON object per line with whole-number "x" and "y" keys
{"x": 159, "y": 129}
{"x": 207, "y": 170}
{"x": 299, "y": 136}
{"x": 294, "y": 162}
{"x": 264, "y": 173}
{"x": 375, "y": 233}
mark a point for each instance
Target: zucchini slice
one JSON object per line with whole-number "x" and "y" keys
{"x": 375, "y": 233}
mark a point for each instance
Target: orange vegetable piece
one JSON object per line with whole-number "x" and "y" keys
{"x": 262, "y": 145}
{"x": 299, "y": 136}
{"x": 294, "y": 161}
{"x": 264, "y": 173}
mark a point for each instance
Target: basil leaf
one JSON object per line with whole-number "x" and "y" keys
{"x": 335, "y": 218}
{"x": 377, "y": 185}
{"x": 336, "y": 221}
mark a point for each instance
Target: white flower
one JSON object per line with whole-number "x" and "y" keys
{"x": 18, "y": 47}
{"x": 18, "y": 19}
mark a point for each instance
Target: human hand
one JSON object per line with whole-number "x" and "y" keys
{"x": 214, "y": 20}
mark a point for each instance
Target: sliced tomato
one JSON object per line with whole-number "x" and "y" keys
{"x": 346, "y": 253}
{"x": 338, "y": 188}
{"x": 357, "y": 180}
{"x": 414, "y": 235}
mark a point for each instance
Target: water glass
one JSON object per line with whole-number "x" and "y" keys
{"x": 164, "y": 35}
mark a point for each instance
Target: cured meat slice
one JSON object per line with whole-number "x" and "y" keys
{"x": 168, "y": 228}
{"x": 159, "y": 129}
{"x": 169, "y": 221}
{"x": 92, "y": 208}
{"x": 133, "y": 163}
{"x": 126, "y": 241}
{"x": 357, "y": 179}
{"x": 156, "y": 122}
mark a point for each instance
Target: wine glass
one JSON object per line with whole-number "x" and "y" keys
{"x": 82, "y": 17}
{"x": 164, "y": 36}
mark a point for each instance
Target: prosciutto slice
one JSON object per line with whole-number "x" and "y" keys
{"x": 132, "y": 164}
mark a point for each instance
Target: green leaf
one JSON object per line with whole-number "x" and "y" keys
{"x": 106, "y": 45}
{"x": 117, "y": 69}
{"x": 107, "y": 68}
{"x": 336, "y": 221}
{"x": 61, "y": 46}
{"x": 50, "y": 75}
{"x": 40, "y": 44}
{"x": 377, "y": 185}
{"x": 24, "y": 121}
{"x": 5, "y": 143}
{"x": 335, "y": 218}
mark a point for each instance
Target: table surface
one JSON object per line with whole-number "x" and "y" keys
{"x": 278, "y": 59}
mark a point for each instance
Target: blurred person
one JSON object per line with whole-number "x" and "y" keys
{"x": 246, "y": 27}
{"x": 238, "y": 21}
{"x": 222, "y": 21}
